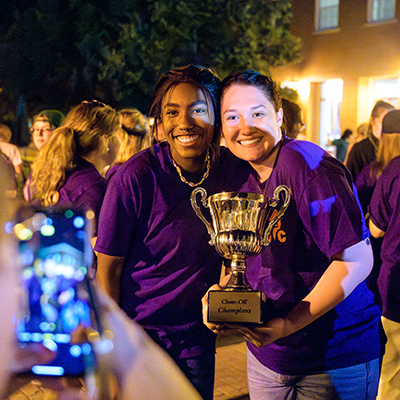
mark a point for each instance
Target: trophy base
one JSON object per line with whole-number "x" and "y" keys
{"x": 236, "y": 307}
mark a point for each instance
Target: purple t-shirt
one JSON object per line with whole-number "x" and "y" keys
{"x": 147, "y": 218}
{"x": 85, "y": 188}
{"x": 385, "y": 214}
{"x": 323, "y": 218}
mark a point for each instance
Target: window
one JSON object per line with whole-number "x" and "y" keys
{"x": 327, "y": 12}
{"x": 381, "y": 10}
{"x": 387, "y": 90}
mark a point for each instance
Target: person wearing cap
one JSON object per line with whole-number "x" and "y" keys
{"x": 384, "y": 223}
{"x": 364, "y": 152}
{"x": 43, "y": 125}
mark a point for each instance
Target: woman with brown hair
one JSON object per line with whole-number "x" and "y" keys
{"x": 324, "y": 341}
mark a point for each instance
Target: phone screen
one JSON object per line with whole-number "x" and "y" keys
{"x": 57, "y": 307}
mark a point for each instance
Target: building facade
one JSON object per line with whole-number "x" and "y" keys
{"x": 351, "y": 59}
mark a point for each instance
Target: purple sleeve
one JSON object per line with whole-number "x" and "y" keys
{"x": 331, "y": 213}
{"x": 117, "y": 220}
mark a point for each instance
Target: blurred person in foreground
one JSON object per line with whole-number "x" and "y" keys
{"x": 364, "y": 152}
{"x": 324, "y": 342}
{"x": 141, "y": 369}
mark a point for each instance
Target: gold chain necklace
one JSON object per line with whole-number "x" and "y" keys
{"x": 183, "y": 179}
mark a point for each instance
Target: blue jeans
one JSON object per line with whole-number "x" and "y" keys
{"x": 359, "y": 382}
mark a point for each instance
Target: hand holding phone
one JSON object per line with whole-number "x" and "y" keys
{"x": 57, "y": 308}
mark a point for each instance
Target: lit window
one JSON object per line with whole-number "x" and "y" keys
{"x": 327, "y": 12}
{"x": 381, "y": 10}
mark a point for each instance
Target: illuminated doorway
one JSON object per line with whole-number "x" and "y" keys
{"x": 331, "y": 100}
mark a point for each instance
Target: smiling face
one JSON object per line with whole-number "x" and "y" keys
{"x": 250, "y": 124}
{"x": 188, "y": 125}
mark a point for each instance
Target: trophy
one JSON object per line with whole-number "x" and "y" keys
{"x": 241, "y": 225}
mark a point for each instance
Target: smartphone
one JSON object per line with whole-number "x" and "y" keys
{"x": 57, "y": 307}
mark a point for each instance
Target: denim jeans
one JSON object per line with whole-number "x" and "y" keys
{"x": 359, "y": 382}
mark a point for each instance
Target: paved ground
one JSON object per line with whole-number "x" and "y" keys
{"x": 230, "y": 370}
{"x": 230, "y": 377}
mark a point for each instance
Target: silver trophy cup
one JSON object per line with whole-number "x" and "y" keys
{"x": 241, "y": 226}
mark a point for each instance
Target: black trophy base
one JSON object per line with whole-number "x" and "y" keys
{"x": 236, "y": 307}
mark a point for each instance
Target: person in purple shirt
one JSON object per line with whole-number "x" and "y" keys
{"x": 324, "y": 341}
{"x": 387, "y": 150}
{"x": 68, "y": 168}
{"x": 153, "y": 251}
{"x": 384, "y": 223}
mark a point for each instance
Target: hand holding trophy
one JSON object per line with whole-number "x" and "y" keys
{"x": 241, "y": 225}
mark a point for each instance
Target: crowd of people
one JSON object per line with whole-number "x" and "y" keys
{"x": 153, "y": 257}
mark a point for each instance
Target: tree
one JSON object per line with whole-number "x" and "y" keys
{"x": 58, "y": 52}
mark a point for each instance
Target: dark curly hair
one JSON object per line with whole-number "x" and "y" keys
{"x": 203, "y": 78}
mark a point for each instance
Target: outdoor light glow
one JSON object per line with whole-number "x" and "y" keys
{"x": 79, "y": 222}
{"x": 69, "y": 213}
{"x": 47, "y": 230}
{"x": 90, "y": 214}
{"x": 22, "y": 232}
{"x": 334, "y": 90}
{"x": 302, "y": 87}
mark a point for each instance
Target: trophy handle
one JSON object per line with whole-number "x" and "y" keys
{"x": 278, "y": 190}
{"x": 197, "y": 210}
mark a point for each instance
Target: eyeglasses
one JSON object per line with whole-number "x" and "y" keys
{"x": 37, "y": 131}
{"x": 302, "y": 126}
